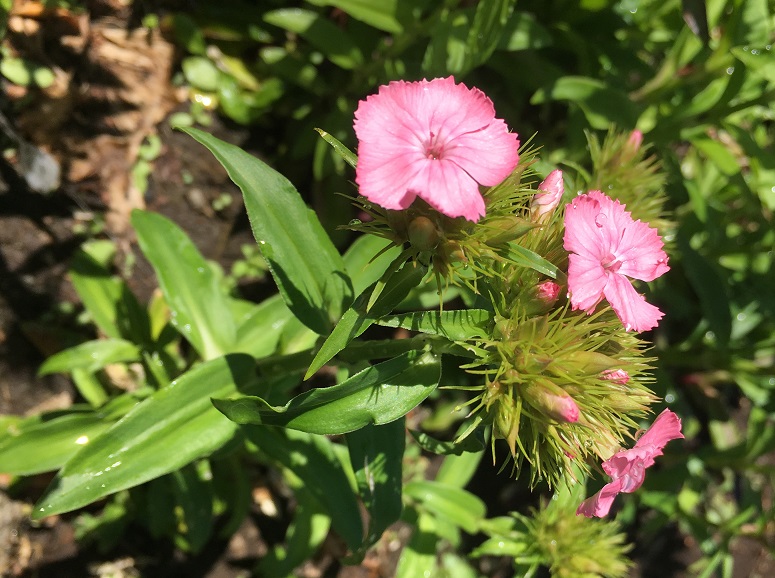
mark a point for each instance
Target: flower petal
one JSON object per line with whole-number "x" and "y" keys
{"x": 600, "y": 504}
{"x": 488, "y": 155}
{"x": 629, "y": 305}
{"x": 586, "y": 282}
{"x": 448, "y": 189}
{"x": 641, "y": 254}
{"x": 666, "y": 427}
{"x": 582, "y": 235}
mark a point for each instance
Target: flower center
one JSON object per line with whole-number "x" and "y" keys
{"x": 611, "y": 263}
{"x": 433, "y": 149}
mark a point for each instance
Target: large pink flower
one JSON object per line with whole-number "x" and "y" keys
{"x": 607, "y": 246}
{"x": 434, "y": 140}
{"x": 627, "y": 468}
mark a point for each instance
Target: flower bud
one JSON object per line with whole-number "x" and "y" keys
{"x": 585, "y": 362}
{"x": 548, "y": 292}
{"x": 547, "y": 198}
{"x": 631, "y": 147}
{"x": 423, "y": 234}
{"x": 507, "y": 228}
{"x": 551, "y": 400}
{"x": 618, "y": 376}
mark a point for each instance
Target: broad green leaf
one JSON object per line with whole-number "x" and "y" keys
{"x": 305, "y": 264}
{"x": 376, "y": 454}
{"x": 200, "y": 311}
{"x": 193, "y": 492}
{"x": 367, "y": 259}
{"x": 377, "y": 395}
{"x": 602, "y": 105}
{"x": 172, "y": 428}
{"x": 418, "y": 557}
{"x": 384, "y": 15}
{"x": 457, "y": 470}
{"x": 527, "y": 258}
{"x": 360, "y": 316}
{"x": 313, "y": 460}
{"x": 457, "y": 325}
{"x": 332, "y": 41}
{"x": 719, "y": 154}
{"x": 201, "y": 73}
{"x": 449, "y": 504}
{"x": 91, "y": 356}
{"x": 99, "y": 291}
{"x": 523, "y": 32}
{"x": 349, "y": 156}
{"x": 45, "y": 443}
{"x": 258, "y": 334}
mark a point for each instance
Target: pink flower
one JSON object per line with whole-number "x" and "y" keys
{"x": 627, "y": 468}
{"x": 607, "y": 246}
{"x": 618, "y": 376}
{"x": 548, "y": 197}
{"x": 434, "y": 140}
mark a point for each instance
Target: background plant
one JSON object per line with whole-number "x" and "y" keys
{"x": 702, "y": 96}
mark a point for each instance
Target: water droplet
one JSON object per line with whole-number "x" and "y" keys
{"x": 82, "y": 440}
{"x": 669, "y": 398}
{"x": 771, "y": 381}
{"x": 745, "y": 48}
{"x": 755, "y": 52}
{"x": 633, "y": 10}
{"x": 730, "y": 70}
{"x": 773, "y": 189}
{"x": 501, "y": 544}
{"x": 200, "y": 269}
{"x": 768, "y": 47}
{"x": 600, "y": 220}
{"x": 741, "y": 316}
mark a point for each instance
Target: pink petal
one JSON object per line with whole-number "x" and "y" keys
{"x": 549, "y": 194}
{"x": 666, "y": 427}
{"x": 586, "y": 282}
{"x": 600, "y": 504}
{"x": 448, "y": 189}
{"x": 488, "y": 155}
{"x": 582, "y": 235}
{"x": 641, "y": 254}
{"x": 629, "y": 305}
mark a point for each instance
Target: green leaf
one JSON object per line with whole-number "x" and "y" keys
{"x": 384, "y": 15}
{"x": 304, "y": 263}
{"x": 172, "y": 428}
{"x": 602, "y": 105}
{"x": 472, "y": 443}
{"x": 193, "y": 492}
{"x": 332, "y": 41}
{"x": 313, "y": 460}
{"x": 523, "y": 32}
{"x": 201, "y": 73}
{"x": 719, "y": 154}
{"x": 418, "y": 557}
{"x": 200, "y": 311}
{"x": 349, "y": 156}
{"x": 527, "y": 258}
{"x": 367, "y": 259}
{"x": 449, "y": 504}
{"x": 91, "y": 356}
{"x": 458, "y": 325}
{"x": 360, "y": 317}
{"x": 112, "y": 305}
{"x": 45, "y": 443}
{"x": 259, "y": 333}
{"x": 376, "y": 454}
{"x": 377, "y": 395}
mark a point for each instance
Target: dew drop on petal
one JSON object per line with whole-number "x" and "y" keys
{"x": 600, "y": 220}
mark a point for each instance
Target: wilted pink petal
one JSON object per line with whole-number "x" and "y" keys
{"x": 607, "y": 246}
{"x": 434, "y": 139}
{"x": 618, "y": 376}
{"x": 547, "y": 198}
{"x": 627, "y": 468}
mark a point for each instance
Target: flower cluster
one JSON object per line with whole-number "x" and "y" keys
{"x": 563, "y": 380}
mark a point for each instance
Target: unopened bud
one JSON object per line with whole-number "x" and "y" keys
{"x": 548, "y": 292}
{"x": 547, "y": 198}
{"x": 502, "y": 230}
{"x": 551, "y": 400}
{"x": 423, "y": 234}
{"x": 585, "y": 362}
{"x": 618, "y": 376}
{"x": 632, "y": 146}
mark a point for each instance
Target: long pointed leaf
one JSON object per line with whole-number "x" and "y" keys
{"x": 377, "y": 395}
{"x": 163, "y": 433}
{"x": 199, "y": 307}
{"x": 304, "y": 262}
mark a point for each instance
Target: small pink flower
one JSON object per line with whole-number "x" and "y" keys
{"x": 607, "y": 246}
{"x": 627, "y": 468}
{"x": 547, "y": 198}
{"x": 547, "y": 292}
{"x": 618, "y": 376}
{"x": 436, "y": 140}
